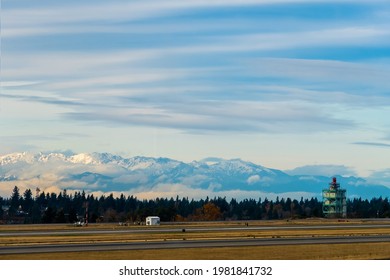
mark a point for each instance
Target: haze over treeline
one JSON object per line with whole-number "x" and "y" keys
{"x": 68, "y": 208}
{"x": 150, "y": 177}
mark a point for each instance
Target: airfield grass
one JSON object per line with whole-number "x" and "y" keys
{"x": 280, "y": 252}
{"x": 240, "y": 223}
{"x": 363, "y": 251}
{"x": 172, "y": 236}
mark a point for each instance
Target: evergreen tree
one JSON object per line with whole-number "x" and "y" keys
{"x": 72, "y": 218}
{"x": 36, "y": 214}
{"x": 49, "y": 215}
{"x": 1, "y": 207}
{"x": 15, "y": 201}
{"x": 109, "y": 208}
{"x": 60, "y": 216}
{"x": 28, "y": 201}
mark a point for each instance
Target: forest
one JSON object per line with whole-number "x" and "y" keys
{"x": 44, "y": 207}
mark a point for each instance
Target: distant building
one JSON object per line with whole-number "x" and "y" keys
{"x": 334, "y": 201}
{"x": 152, "y": 221}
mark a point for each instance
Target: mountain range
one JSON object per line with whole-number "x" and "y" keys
{"x": 147, "y": 177}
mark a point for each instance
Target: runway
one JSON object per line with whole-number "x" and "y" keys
{"x": 178, "y": 236}
{"x": 190, "y": 244}
{"x": 86, "y": 231}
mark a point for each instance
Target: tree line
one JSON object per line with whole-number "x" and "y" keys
{"x": 44, "y": 207}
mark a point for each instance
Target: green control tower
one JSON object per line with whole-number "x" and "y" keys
{"x": 334, "y": 202}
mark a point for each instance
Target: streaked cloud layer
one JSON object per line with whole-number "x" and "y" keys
{"x": 280, "y": 83}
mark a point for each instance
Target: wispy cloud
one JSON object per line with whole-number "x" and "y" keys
{"x": 75, "y": 12}
{"x": 340, "y": 72}
{"x": 327, "y": 170}
{"x": 233, "y": 68}
{"x": 208, "y": 115}
{"x": 173, "y": 190}
{"x": 374, "y": 144}
{"x": 41, "y": 99}
{"x": 380, "y": 177}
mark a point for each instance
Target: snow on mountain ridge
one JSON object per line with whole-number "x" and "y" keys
{"x": 83, "y": 158}
{"x": 17, "y": 157}
{"x": 134, "y": 163}
{"x": 239, "y": 166}
{"x": 149, "y": 166}
{"x": 108, "y": 172}
{"x": 52, "y": 156}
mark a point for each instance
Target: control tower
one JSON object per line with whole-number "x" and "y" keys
{"x": 334, "y": 202}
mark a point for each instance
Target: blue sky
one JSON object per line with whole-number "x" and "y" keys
{"x": 279, "y": 83}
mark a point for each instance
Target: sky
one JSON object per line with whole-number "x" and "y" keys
{"x": 281, "y": 83}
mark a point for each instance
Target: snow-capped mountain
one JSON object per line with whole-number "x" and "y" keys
{"x": 148, "y": 177}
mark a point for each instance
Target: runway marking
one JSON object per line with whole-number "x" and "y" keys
{"x": 187, "y": 229}
{"x": 191, "y": 244}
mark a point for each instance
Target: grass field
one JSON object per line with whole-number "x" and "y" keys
{"x": 289, "y": 252}
{"x": 332, "y": 251}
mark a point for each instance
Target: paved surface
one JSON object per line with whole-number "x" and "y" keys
{"x": 108, "y": 246}
{"x": 78, "y": 231}
{"x": 191, "y": 244}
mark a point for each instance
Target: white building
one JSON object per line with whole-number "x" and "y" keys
{"x": 152, "y": 221}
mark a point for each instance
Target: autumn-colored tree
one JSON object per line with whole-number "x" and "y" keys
{"x": 208, "y": 212}
{"x": 211, "y": 212}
